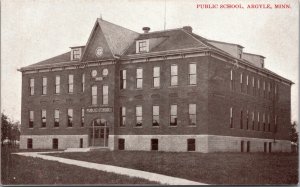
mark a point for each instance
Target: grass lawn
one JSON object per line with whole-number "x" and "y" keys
{"x": 211, "y": 168}
{"x": 25, "y": 170}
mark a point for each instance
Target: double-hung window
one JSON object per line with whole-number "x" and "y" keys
{"x": 173, "y": 115}
{"x": 155, "y": 116}
{"x": 57, "y": 84}
{"x": 82, "y": 117}
{"x": 94, "y": 95}
{"x": 139, "y": 78}
{"x": 70, "y": 117}
{"x": 44, "y": 89}
{"x": 174, "y": 75}
{"x": 44, "y": 118}
{"x": 192, "y": 114}
{"x": 105, "y": 94}
{"x": 71, "y": 84}
{"x": 156, "y": 77}
{"x": 31, "y": 86}
{"x": 31, "y": 118}
{"x": 122, "y": 116}
{"x": 56, "y": 118}
{"x": 139, "y": 116}
{"x": 192, "y": 74}
{"x": 123, "y": 79}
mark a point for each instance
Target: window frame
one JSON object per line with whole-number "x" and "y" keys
{"x": 175, "y": 116}
{"x": 156, "y": 77}
{"x": 70, "y": 116}
{"x": 138, "y": 117}
{"x": 56, "y": 119}
{"x": 139, "y": 78}
{"x": 123, "y": 75}
{"x": 31, "y": 86}
{"x": 192, "y": 74}
{"x": 43, "y": 118}
{"x": 94, "y": 95}
{"x": 57, "y": 84}
{"x": 192, "y": 115}
{"x": 70, "y": 83}
{"x": 44, "y": 85}
{"x": 174, "y": 76}
{"x": 122, "y": 116}
{"x": 105, "y": 94}
{"x": 31, "y": 119}
{"x": 155, "y": 116}
{"x": 82, "y": 117}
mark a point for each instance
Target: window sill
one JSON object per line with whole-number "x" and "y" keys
{"x": 172, "y": 126}
{"x": 43, "y": 128}
{"x": 192, "y": 85}
{"x": 175, "y": 86}
{"x": 138, "y": 127}
{"x": 43, "y": 95}
{"x": 155, "y": 126}
{"x": 192, "y": 125}
{"x": 155, "y": 88}
{"x": 122, "y": 127}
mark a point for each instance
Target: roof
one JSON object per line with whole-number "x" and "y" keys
{"x": 121, "y": 42}
{"x": 65, "y": 57}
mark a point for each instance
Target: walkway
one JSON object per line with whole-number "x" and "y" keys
{"x": 163, "y": 179}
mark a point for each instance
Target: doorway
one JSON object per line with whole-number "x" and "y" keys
{"x": 99, "y": 132}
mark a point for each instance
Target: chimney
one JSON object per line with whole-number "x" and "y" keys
{"x": 146, "y": 29}
{"x": 188, "y": 29}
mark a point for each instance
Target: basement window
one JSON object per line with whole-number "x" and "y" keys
{"x": 191, "y": 145}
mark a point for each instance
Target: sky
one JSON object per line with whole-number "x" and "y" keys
{"x": 35, "y": 30}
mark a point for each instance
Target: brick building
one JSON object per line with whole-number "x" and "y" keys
{"x": 169, "y": 90}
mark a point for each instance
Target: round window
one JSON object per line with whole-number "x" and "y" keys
{"x": 94, "y": 73}
{"x": 105, "y": 72}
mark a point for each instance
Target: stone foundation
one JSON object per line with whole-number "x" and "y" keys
{"x": 169, "y": 143}
{"x": 45, "y": 141}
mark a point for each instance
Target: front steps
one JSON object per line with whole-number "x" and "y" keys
{"x": 86, "y": 149}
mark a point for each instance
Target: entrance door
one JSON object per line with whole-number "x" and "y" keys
{"x": 99, "y": 133}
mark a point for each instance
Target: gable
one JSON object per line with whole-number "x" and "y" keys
{"x": 97, "y": 41}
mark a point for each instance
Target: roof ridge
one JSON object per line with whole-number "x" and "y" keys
{"x": 102, "y": 20}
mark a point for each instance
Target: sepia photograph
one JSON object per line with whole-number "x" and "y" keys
{"x": 149, "y": 92}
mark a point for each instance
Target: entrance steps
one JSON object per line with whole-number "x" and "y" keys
{"x": 99, "y": 148}
{"x": 77, "y": 149}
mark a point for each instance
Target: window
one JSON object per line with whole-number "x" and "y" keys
{"x": 269, "y": 89}
{"x": 123, "y": 79}
{"x": 241, "y": 82}
{"x": 248, "y": 146}
{"x": 231, "y": 118}
{"x": 270, "y": 147}
{"x": 70, "y": 117}
{"x": 105, "y": 95}
{"x": 264, "y": 122}
{"x": 43, "y": 118}
{"x": 54, "y": 143}
{"x": 269, "y": 125}
{"x": 142, "y": 46}
{"x": 122, "y": 116}
{"x": 247, "y": 120}
{"x": 156, "y": 77}
{"x": 264, "y": 88}
{"x": 121, "y": 143}
{"x": 94, "y": 95}
{"x": 253, "y": 121}
{"x": 253, "y": 86}
{"x": 31, "y": 118}
{"x": 275, "y": 124}
{"x": 57, "y": 84}
{"x": 231, "y": 80}
{"x": 192, "y": 74}
{"x": 241, "y": 120}
{"x": 31, "y": 86}
{"x": 192, "y": 114}
{"x": 81, "y": 143}
{"x": 247, "y": 82}
{"x": 154, "y": 144}
{"x": 56, "y": 118}
{"x": 265, "y": 147}
{"x": 258, "y": 87}
{"x": 173, "y": 115}
{"x": 258, "y": 121}
{"x": 29, "y": 143}
{"x": 139, "y": 78}
{"x": 139, "y": 116}
{"x": 242, "y": 146}
{"x": 44, "y": 90}
{"x": 82, "y": 117}
{"x": 275, "y": 90}
{"x": 76, "y": 54}
{"x": 155, "y": 115}
{"x": 70, "y": 84}
{"x": 174, "y": 75}
{"x": 191, "y": 145}
{"x": 82, "y": 82}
